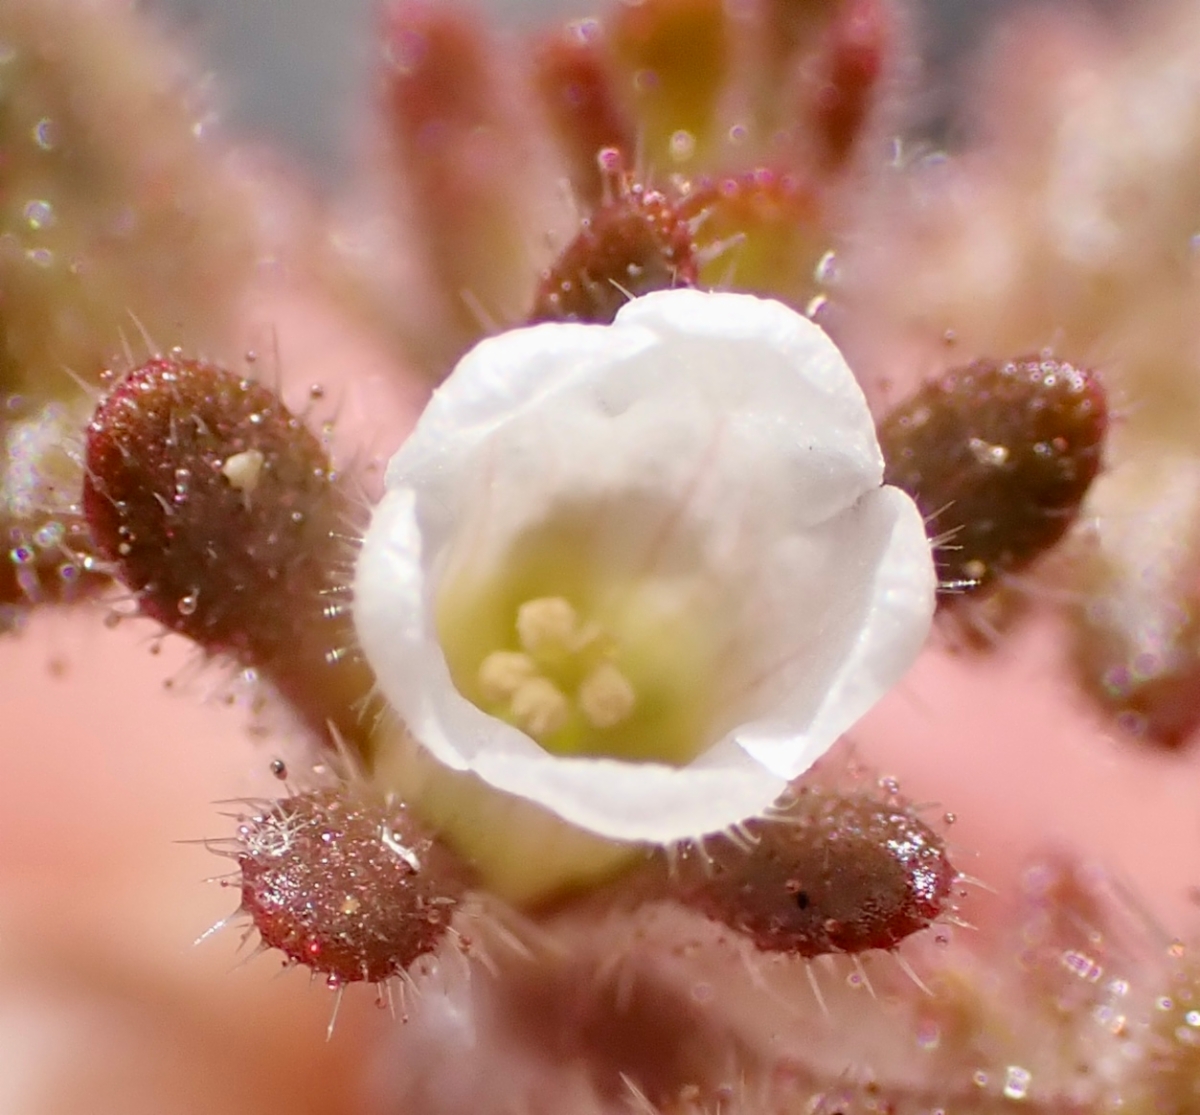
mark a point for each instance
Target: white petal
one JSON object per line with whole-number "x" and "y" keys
{"x": 714, "y": 447}
{"x": 883, "y": 607}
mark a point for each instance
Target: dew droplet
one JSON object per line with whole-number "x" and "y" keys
{"x": 45, "y": 134}
{"x": 187, "y": 604}
{"x": 1016, "y": 1082}
{"x": 39, "y": 214}
{"x": 1081, "y": 965}
{"x": 610, "y": 160}
{"x": 825, "y": 271}
{"x": 682, "y": 146}
{"x": 49, "y": 536}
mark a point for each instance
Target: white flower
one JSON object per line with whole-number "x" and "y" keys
{"x": 644, "y": 574}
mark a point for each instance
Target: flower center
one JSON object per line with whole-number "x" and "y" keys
{"x": 584, "y": 661}
{"x": 565, "y": 668}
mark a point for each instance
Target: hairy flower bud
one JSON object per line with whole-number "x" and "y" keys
{"x": 347, "y": 884}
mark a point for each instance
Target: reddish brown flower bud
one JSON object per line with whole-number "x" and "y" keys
{"x": 851, "y": 67}
{"x": 219, "y": 510}
{"x": 839, "y": 873}
{"x": 1147, "y": 677}
{"x": 347, "y": 884}
{"x": 465, "y": 169}
{"x": 676, "y": 55}
{"x": 762, "y": 232}
{"x": 115, "y": 195}
{"x": 998, "y": 457}
{"x": 636, "y": 242}
{"x": 574, "y": 78}
{"x": 1136, "y": 633}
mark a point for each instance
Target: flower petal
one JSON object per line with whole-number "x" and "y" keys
{"x": 710, "y": 461}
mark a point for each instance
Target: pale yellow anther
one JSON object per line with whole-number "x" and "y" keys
{"x": 546, "y": 623}
{"x": 540, "y": 708}
{"x": 503, "y": 672}
{"x": 606, "y": 696}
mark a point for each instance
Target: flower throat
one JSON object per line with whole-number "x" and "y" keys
{"x": 584, "y": 663}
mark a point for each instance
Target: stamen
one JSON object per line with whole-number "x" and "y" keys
{"x": 546, "y": 623}
{"x": 540, "y": 708}
{"x": 503, "y": 672}
{"x": 606, "y": 696}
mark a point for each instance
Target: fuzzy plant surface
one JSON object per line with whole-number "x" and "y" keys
{"x": 666, "y": 594}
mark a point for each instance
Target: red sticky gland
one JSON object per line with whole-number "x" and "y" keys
{"x": 636, "y": 242}
{"x": 574, "y": 78}
{"x": 837, "y": 873}
{"x": 220, "y": 510}
{"x": 346, "y": 884}
{"x": 999, "y": 457}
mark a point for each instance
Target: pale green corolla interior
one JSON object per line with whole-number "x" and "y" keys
{"x": 592, "y": 639}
